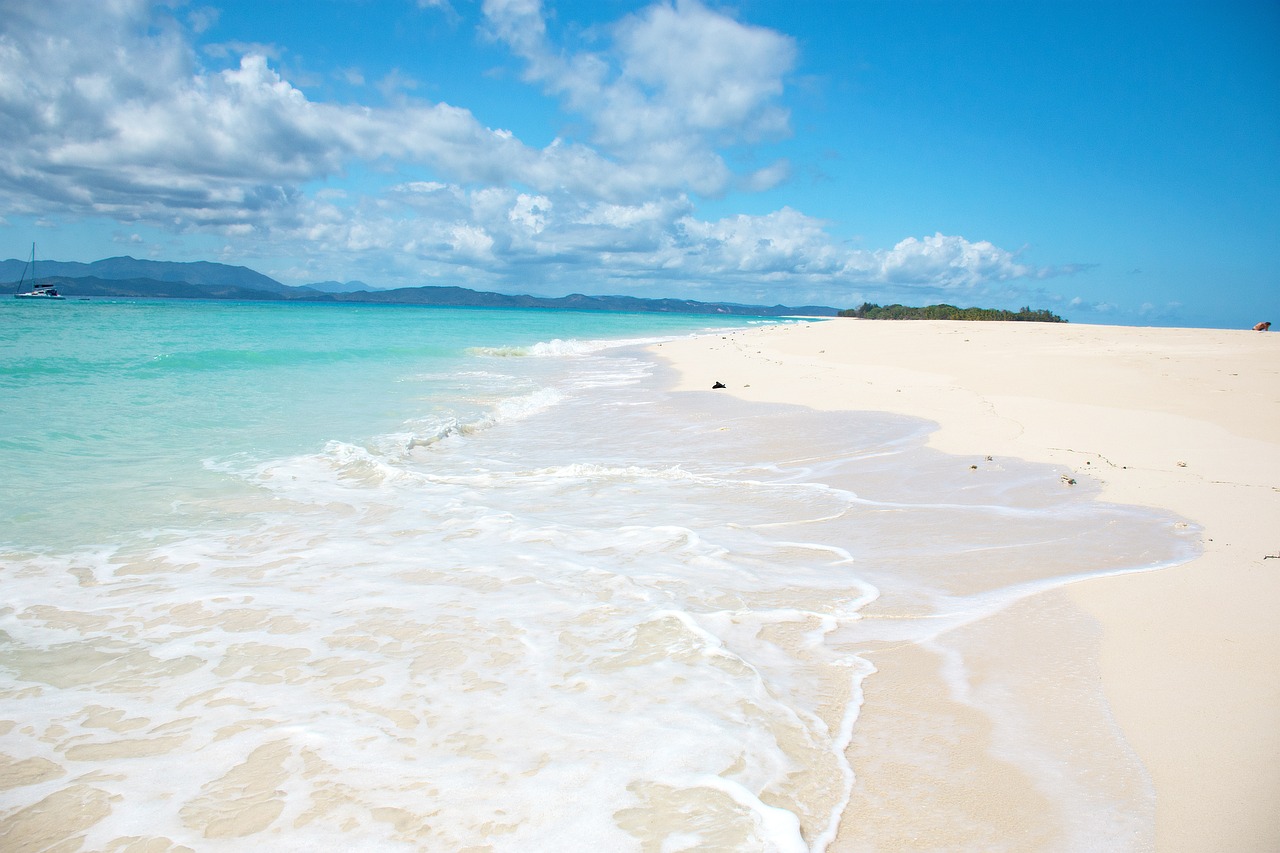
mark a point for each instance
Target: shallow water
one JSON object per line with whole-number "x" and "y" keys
{"x": 501, "y": 595}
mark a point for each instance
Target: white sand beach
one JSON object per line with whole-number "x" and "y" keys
{"x": 1189, "y": 657}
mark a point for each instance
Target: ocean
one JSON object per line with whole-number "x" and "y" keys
{"x": 341, "y": 577}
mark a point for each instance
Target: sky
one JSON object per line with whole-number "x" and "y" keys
{"x": 1114, "y": 162}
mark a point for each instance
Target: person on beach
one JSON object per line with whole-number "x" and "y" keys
{"x": 1262, "y": 327}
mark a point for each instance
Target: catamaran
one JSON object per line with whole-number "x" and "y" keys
{"x": 37, "y": 291}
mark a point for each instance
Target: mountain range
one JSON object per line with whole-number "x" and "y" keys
{"x": 130, "y": 277}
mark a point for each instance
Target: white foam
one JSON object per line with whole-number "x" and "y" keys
{"x": 559, "y": 348}
{"x": 392, "y": 646}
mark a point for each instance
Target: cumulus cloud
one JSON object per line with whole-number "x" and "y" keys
{"x": 509, "y": 238}
{"x": 678, "y": 82}
{"x": 109, "y": 113}
{"x": 948, "y": 261}
{"x": 705, "y": 69}
{"x": 108, "y": 110}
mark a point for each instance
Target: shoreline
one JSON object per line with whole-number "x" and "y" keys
{"x": 1185, "y": 420}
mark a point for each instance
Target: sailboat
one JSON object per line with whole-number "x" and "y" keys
{"x": 37, "y": 291}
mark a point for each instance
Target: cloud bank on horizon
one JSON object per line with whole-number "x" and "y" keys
{"x": 125, "y": 113}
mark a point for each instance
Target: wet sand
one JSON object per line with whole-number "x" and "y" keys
{"x": 1188, "y": 657}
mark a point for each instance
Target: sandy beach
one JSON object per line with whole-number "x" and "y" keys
{"x": 1185, "y": 420}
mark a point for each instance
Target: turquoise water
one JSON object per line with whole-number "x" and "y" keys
{"x": 355, "y": 578}
{"x": 114, "y": 410}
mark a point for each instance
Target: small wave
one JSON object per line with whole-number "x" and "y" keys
{"x": 426, "y": 432}
{"x": 498, "y": 352}
{"x": 241, "y": 359}
{"x": 558, "y": 347}
{"x": 588, "y": 471}
{"x": 519, "y": 408}
{"x": 429, "y": 432}
{"x": 459, "y": 377}
{"x": 544, "y": 349}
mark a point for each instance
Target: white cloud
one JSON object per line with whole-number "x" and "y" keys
{"x": 680, "y": 81}
{"x": 202, "y": 18}
{"x": 133, "y": 127}
{"x": 623, "y": 216}
{"x": 947, "y": 261}
{"x": 767, "y": 178}
{"x": 395, "y": 83}
{"x": 530, "y": 212}
{"x": 706, "y": 69}
{"x": 232, "y": 49}
{"x": 784, "y": 242}
{"x": 471, "y": 243}
{"x": 107, "y": 110}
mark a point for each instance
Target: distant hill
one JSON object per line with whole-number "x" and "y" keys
{"x": 125, "y": 269}
{"x": 340, "y": 286}
{"x": 461, "y": 297}
{"x": 130, "y": 277}
{"x": 149, "y": 288}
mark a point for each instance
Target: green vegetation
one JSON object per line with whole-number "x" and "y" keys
{"x": 871, "y": 311}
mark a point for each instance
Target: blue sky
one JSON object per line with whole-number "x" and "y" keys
{"x": 1116, "y": 162}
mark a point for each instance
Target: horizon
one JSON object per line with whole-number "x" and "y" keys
{"x": 1112, "y": 165}
{"x": 317, "y": 288}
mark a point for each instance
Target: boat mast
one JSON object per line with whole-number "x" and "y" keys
{"x": 29, "y": 265}
{"x": 25, "y": 267}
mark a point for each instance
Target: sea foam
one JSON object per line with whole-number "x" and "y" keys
{"x": 542, "y": 617}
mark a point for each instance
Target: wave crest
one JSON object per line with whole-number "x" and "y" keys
{"x": 558, "y": 347}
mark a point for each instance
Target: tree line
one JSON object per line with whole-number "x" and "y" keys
{"x": 871, "y": 311}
